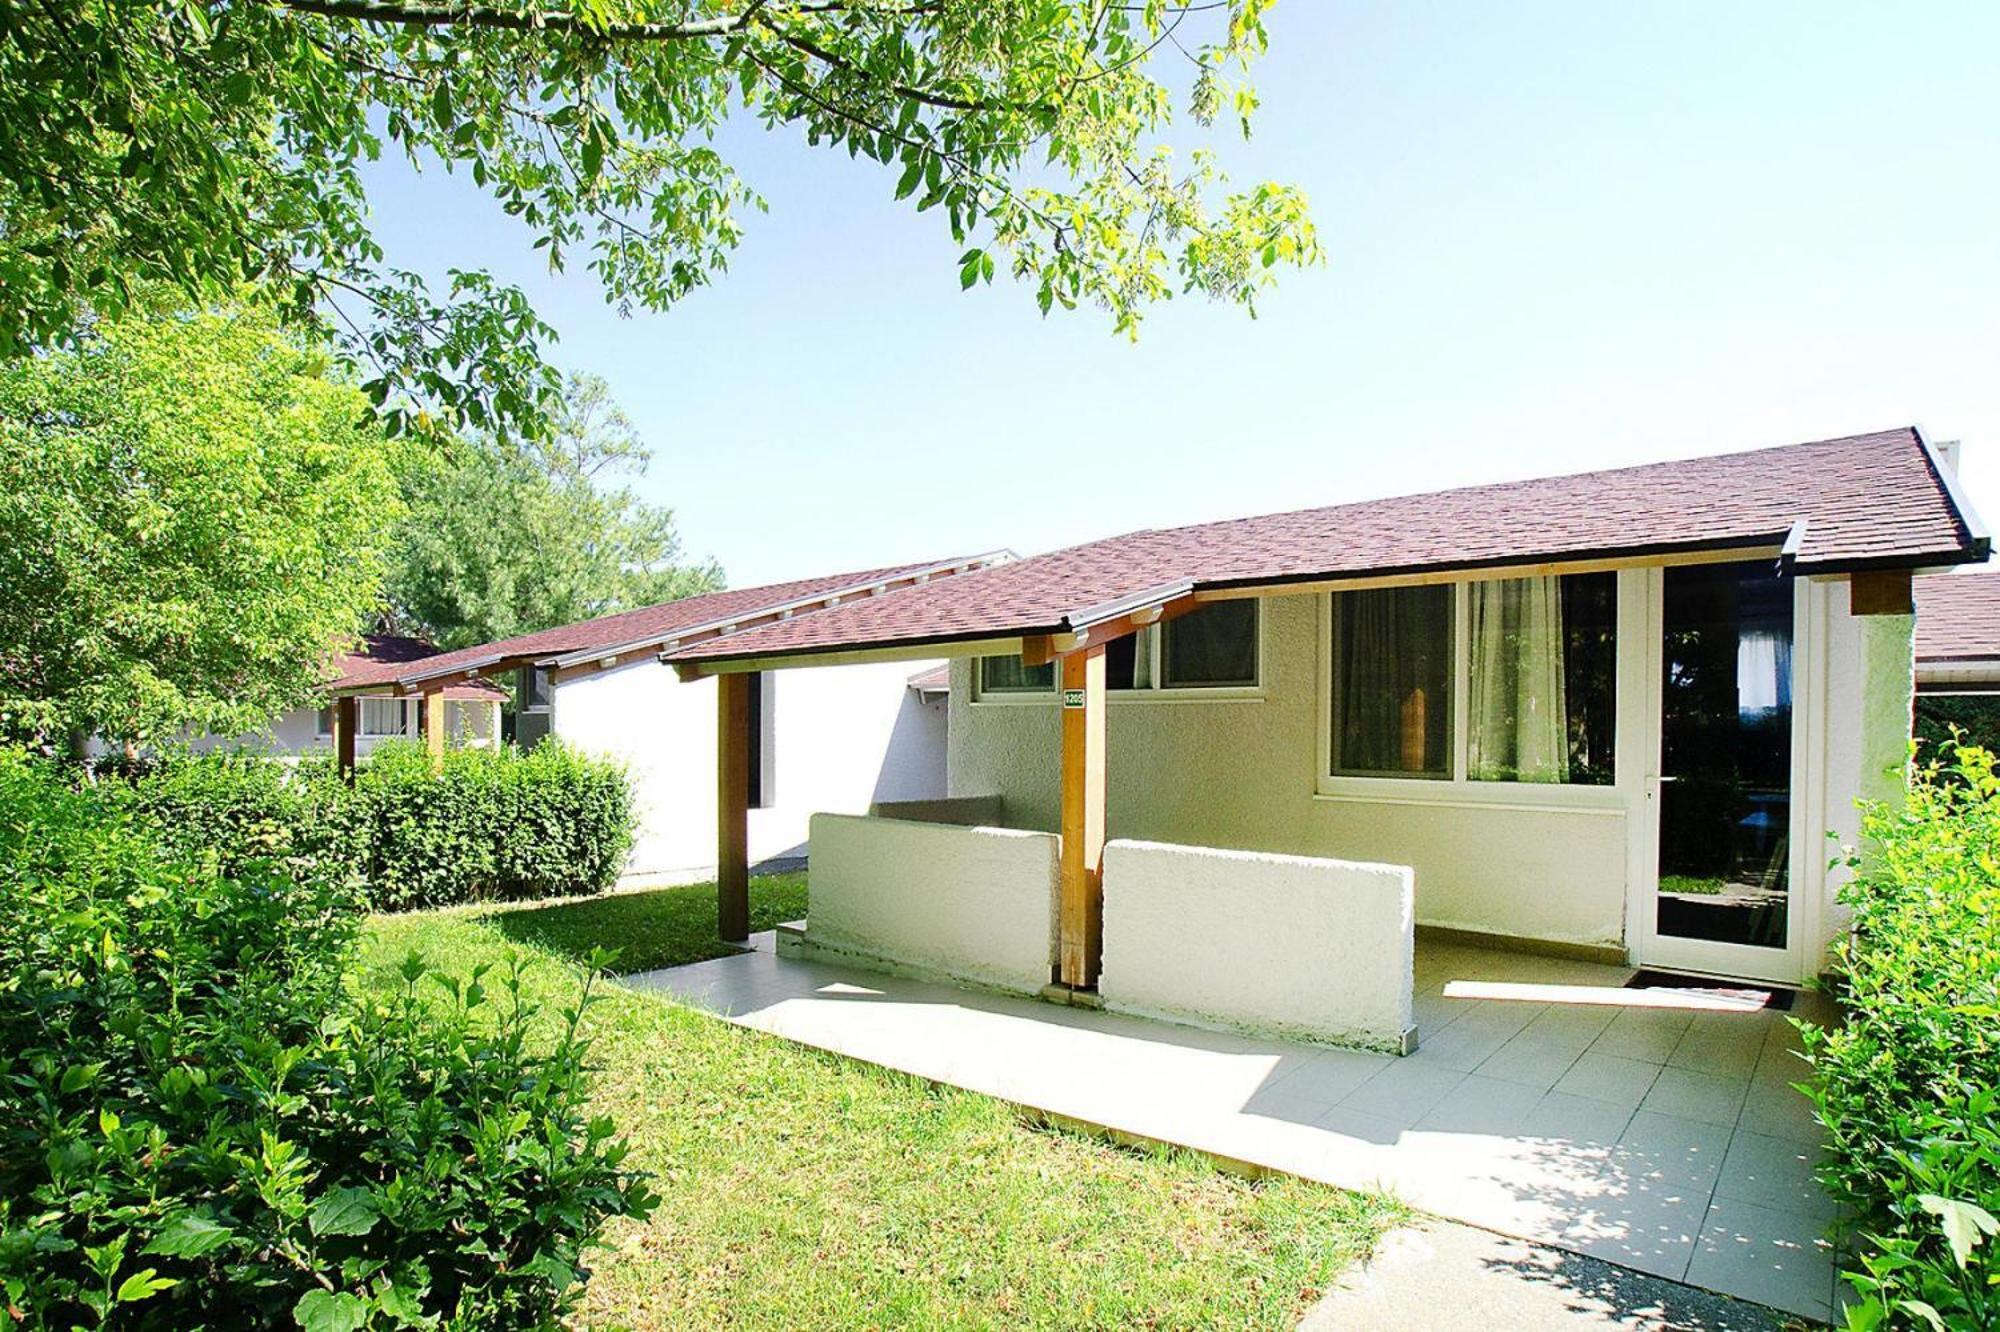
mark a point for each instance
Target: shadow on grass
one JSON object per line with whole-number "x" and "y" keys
{"x": 661, "y": 927}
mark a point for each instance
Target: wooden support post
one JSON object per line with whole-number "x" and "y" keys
{"x": 1880, "y": 592}
{"x": 434, "y": 727}
{"x": 345, "y": 711}
{"x": 732, "y": 807}
{"x": 1082, "y": 912}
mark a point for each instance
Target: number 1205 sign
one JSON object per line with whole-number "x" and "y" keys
{"x": 1072, "y": 698}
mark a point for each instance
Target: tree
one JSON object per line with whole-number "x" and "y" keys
{"x": 504, "y": 537}
{"x": 196, "y": 516}
{"x": 209, "y": 142}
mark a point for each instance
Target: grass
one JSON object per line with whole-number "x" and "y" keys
{"x": 662, "y": 928}
{"x": 1692, "y": 886}
{"x": 800, "y": 1189}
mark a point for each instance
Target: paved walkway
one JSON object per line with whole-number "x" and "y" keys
{"x": 1444, "y": 1275}
{"x": 1662, "y": 1140}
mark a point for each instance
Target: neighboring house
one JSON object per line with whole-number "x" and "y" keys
{"x": 843, "y": 738}
{"x": 1958, "y": 662}
{"x": 1615, "y": 715}
{"x": 1958, "y": 633}
{"x": 471, "y": 709}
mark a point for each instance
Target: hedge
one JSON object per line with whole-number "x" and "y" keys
{"x": 202, "y": 1124}
{"x": 1909, "y": 1086}
{"x": 484, "y": 825}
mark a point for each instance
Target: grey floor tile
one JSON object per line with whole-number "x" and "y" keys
{"x": 1765, "y": 1254}
{"x": 1604, "y": 1077}
{"x": 1716, "y": 1098}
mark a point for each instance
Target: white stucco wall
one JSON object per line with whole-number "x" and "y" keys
{"x": 842, "y": 738}
{"x": 1286, "y": 945}
{"x": 976, "y": 904}
{"x": 1858, "y": 752}
{"x": 1242, "y": 772}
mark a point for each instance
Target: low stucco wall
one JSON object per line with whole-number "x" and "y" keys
{"x": 1286, "y": 945}
{"x": 974, "y": 811}
{"x": 973, "y": 904}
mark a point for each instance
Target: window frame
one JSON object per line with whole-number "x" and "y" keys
{"x": 1458, "y": 788}
{"x": 1157, "y": 692}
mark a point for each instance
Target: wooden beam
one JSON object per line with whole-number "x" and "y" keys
{"x": 732, "y": 807}
{"x": 702, "y": 668}
{"x": 1082, "y": 863}
{"x": 1044, "y": 648}
{"x": 433, "y": 710}
{"x": 1485, "y": 573}
{"x": 346, "y": 710}
{"x": 1881, "y": 592}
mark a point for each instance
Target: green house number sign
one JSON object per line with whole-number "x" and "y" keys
{"x": 1072, "y": 698}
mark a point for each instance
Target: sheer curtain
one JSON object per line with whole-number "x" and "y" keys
{"x": 1517, "y": 723}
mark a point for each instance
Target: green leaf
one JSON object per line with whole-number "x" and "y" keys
{"x": 189, "y": 1236}
{"x": 143, "y": 1284}
{"x": 1965, "y": 1224}
{"x": 349, "y": 1211}
{"x": 331, "y": 1311}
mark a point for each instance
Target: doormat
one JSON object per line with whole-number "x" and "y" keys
{"x": 1751, "y": 996}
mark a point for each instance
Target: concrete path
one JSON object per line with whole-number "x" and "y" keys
{"x": 1442, "y": 1275}
{"x": 1665, "y": 1141}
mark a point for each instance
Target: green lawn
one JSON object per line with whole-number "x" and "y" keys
{"x": 804, "y": 1190}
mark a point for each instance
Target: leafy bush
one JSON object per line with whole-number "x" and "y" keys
{"x": 201, "y": 1125}
{"x": 491, "y": 823}
{"x": 484, "y": 825}
{"x": 243, "y": 808}
{"x": 1945, "y": 720}
{"x": 1909, "y": 1086}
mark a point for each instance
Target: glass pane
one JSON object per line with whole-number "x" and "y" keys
{"x": 1392, "y": 682}
{"x": 1543, "y": 679}
{"x": 1213, "y": 647}
{"x": 1006, "y": 675}
{"x": 381, "y": 716}
{"x": 1726, "y": 755}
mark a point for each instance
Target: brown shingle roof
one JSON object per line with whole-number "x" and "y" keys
{"x": 1958, "y": 617}
{"x": 649, "y": 624}
{"x": 381, "y": 655}
{"x": 1866, "y": 501}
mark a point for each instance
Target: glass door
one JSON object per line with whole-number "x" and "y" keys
{"x": 1723, "y": 902}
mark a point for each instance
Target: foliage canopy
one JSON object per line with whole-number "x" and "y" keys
{"x": 209, "y": 142}
{"x": 196, "y": 516}
{"x": 504, "y": 537}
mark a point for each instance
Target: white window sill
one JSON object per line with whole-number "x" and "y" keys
{"x": 1474, "y": 795}
{"x": 1120, "y": 697}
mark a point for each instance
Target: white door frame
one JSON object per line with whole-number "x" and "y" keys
{"x": 1650, "y": 948}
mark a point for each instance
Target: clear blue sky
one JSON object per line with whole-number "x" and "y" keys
{"x": 1559, "y": 236}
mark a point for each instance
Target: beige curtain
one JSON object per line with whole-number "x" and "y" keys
{"x": 1518, "y": 721}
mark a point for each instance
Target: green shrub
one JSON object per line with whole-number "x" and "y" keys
{"x": 484, "y": 825}
{"x": 1909, "y": 1086}
{"x": 242, "y": 808}
{"x": 491, "y": 824}
{"x": 201, "y": 1125}
{"x": 1945, "y": 720}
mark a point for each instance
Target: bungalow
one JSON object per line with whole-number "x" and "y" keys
{"x": 1614, "y": 715}
{"x": 469, "y": 712}
{"x": 843, "y": 739}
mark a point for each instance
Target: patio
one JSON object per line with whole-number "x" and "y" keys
{"x": 1664, "y": 1139}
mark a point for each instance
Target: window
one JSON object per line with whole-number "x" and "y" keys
{"x": 385, "y": 716}
{"x": 1007, "y": 675}
{"x": 323, "y": 722}
{"x": 1542, "y": 697}
{"x": 1532, "y": 663}
{"x": 1211, "y": 648}
{"x": 1392, "y": 681}
{"x": 1214, "y": 647}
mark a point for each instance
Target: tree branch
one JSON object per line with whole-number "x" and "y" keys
{"x": 415, "y": 13}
